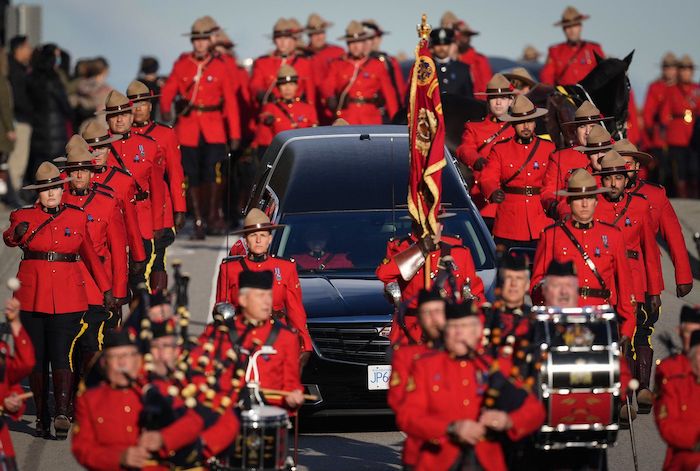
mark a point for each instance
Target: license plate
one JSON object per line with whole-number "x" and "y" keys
{"x": 378, "y": 377}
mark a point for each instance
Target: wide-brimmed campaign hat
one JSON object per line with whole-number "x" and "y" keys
{"x": 587, "y": 113}
{"x": 79, "y": 157}
{"x": 530, "y": 53}
{"x": 224, "y": 40}
{"x": 499, "y": 85}
{"x": 256, "y": 221}
{"x": 522, "y": 110}
{"x": 287, "y": 74}
{"x": 96, "y": 134}
{"x": 520, "y": 73}
{"x": 613, "y": 163}
{"x": 669, "y": 60}
{"x": 598, "y": 140}
{"x": 284, "y": 28}
{"x": 116, "y": 103}
{"x": 354, "y": 32}
{"x": 686, "y": 62}
{"x": 571, "y": 17}
{"x": 317, "y": 24}
{"x": 202, "y": 28}
{"x": 625, "y": 148}
{"x": 442, "y": 36}
{"x": 47, "y": 176}
{"x": 138, "y": 91}
{"x": 582, "y": 183}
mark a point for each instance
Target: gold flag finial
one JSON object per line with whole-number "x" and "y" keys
{"x": 424, "y": 28}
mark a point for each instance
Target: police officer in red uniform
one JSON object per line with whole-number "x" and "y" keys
{"x": 431, "y": 318}
{"x": 321, "y": 54}
{"x": 445, "y": 406}
{"x": 567, "y": 63}
{"x": 564, "y": 160}
{"x": 654, "y": 129}
{"x": 107, "y": 232}
{"x": 663, "y": 217}
{"x": 477, "y": 62}
{"x": 406, "y": 262}
{"x": 289, "y": 111}
{"x": 257, "y": 230}
{"x": 596, "y": 248}
{"x": 207, "y": 120}
{"x": 107, "y": 432}
{"x": 55, "y": 240}
{"x": 120, "y": 183}
{"x": 677, "y": 413}
{"x": 479, "y": 138}
{"x": 677, "y": 364}
{"x": 175, "y": 204}
{"x": 375, "y": 35}
{"x": 630, "y": 213}
{"x": 357, "y": 85}
{"x": 678, "y": 114}
{"x": 513, "y": 178}
{"x": 18, "y": 363}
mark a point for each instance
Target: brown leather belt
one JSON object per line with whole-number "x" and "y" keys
{"x": 362, "y": 101}
{"x": 522, "y": 190}
{"x": 141, "y": 196}
{"x": 51, "y": 256}
{"x": 633, "y": 254}
{"x": 208, "y": 108}
{"x": 594, "y": 292}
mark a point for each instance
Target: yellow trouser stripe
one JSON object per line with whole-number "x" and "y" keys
{"x": 149, "y": 265}
{"x": 83, "y": 328}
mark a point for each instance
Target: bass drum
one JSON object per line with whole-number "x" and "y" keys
{"x": 579, "y": 377}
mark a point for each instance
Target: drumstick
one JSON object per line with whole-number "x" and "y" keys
{"x": 280, "y": 392}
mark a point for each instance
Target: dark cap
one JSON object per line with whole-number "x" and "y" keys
{"x": 442, "y": 36}
{"x": 120, "y": 337}
{"x": 515, "y": 261}
{"x": 164, "y": 328}
{"x": 255, "y": 279}
{"x": 460, "y": 310}
{"x": 690, "y": 314}
{"x": 694, "y": 338}
{"x": 557, "y": 268}
{"x": 425, "y": 296}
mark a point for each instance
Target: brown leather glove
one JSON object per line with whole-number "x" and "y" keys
{"x": 20, "y": 230}
{"x": 683, "y": 289}
{"x": 654, "y": 302}
{"x": 179, "y": 219}
{"x": 498, "y": 196}
{"x": 479, "y": 164}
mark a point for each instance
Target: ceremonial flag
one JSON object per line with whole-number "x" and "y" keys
{"x": 427, "y": 139}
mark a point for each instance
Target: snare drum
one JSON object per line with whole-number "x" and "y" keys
{"x": 579, "y": 378}
{"x": 261, "y": 444}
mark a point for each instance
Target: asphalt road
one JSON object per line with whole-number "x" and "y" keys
{"x": 357, "y": 443}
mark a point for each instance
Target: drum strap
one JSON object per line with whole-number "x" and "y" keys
{"x": 624, "y": 210}
{"x": 527, "y": 161}
{"x": 40, "y": 227}
{"x": 584, "y": 254}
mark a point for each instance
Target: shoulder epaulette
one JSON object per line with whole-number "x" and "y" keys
{"x": 503, "y": 141}
{"x": 164, "y": 125}
{"x": 147, "y": 137}
{"x": 641, "y": 195}
{"x": 72, "y": 206}
{"x": 232, "y": 258}
{"x": 552, "y": 226}
{"x": 103, "y": 193}
{"x": 607, "y": 224}
{"x": 121, "y": 170}
{"x": 98, "y": 185}
{"x": 277, "y": 257}
{"x": 657, "y": 185}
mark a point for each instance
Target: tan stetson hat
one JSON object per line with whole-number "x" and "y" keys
{"x": 316, "y": 24}
{"x": 47, "y": 176}
{"x": 116, "y": 103}
{"x": 79, "y": 157}
{"x": 223, "y": 39}
{"x": 498, "y": 86}
{"x": 76, "y": 141}
{"x": 354, "y": 32}
{"x": 530, "y": 53}
{"x": 522, "y": 110}
{"x": 138, "y": 91}
{"x": 283, "y": 28}
{"x": 587, "y": 113}
{"x": 612, "y": 163}
{"x": 340, "y": 122}
{"x": 202, "y": 28}
{"x": 625, "y": 148}
{"x": 96, "y": 134}
{"x": 571, "y": 17}
{"x": 465, "y": 30}
{"x": 287, "y": 74}
{"x": 297, "y": 28}
{"x": 520, "y": 73}
{"x": 582, "y": 183}
{"x": 449, "y": 20}
{"x": 598, "y": 140}
{"x": 256, "y": 221}
{"x": 669, "y": 60}
{"x": 686, "y": 62}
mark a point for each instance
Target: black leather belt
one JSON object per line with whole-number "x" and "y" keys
{"x": 208, "y": 108}
{"x": 522, "y": 190}
{"x": 633, "y": 254}
{"x": 141, "y": 196}
{"x": 594, "y": 292}
{"x": 51, "y": 256}
{"x": 363, "y": 101}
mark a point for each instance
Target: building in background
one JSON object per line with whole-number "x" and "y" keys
{"x": 21, "y": 19}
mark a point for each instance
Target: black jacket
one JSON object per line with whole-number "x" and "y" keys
{"x": 455, "y": 78}
{"x": 18, "y": 80}
{"x": 52, "y": 114}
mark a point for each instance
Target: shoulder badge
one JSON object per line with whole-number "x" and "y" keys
{"x": 231, "y": 258}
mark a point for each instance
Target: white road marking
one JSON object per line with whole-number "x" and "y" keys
{"x": 223, "y": 253}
